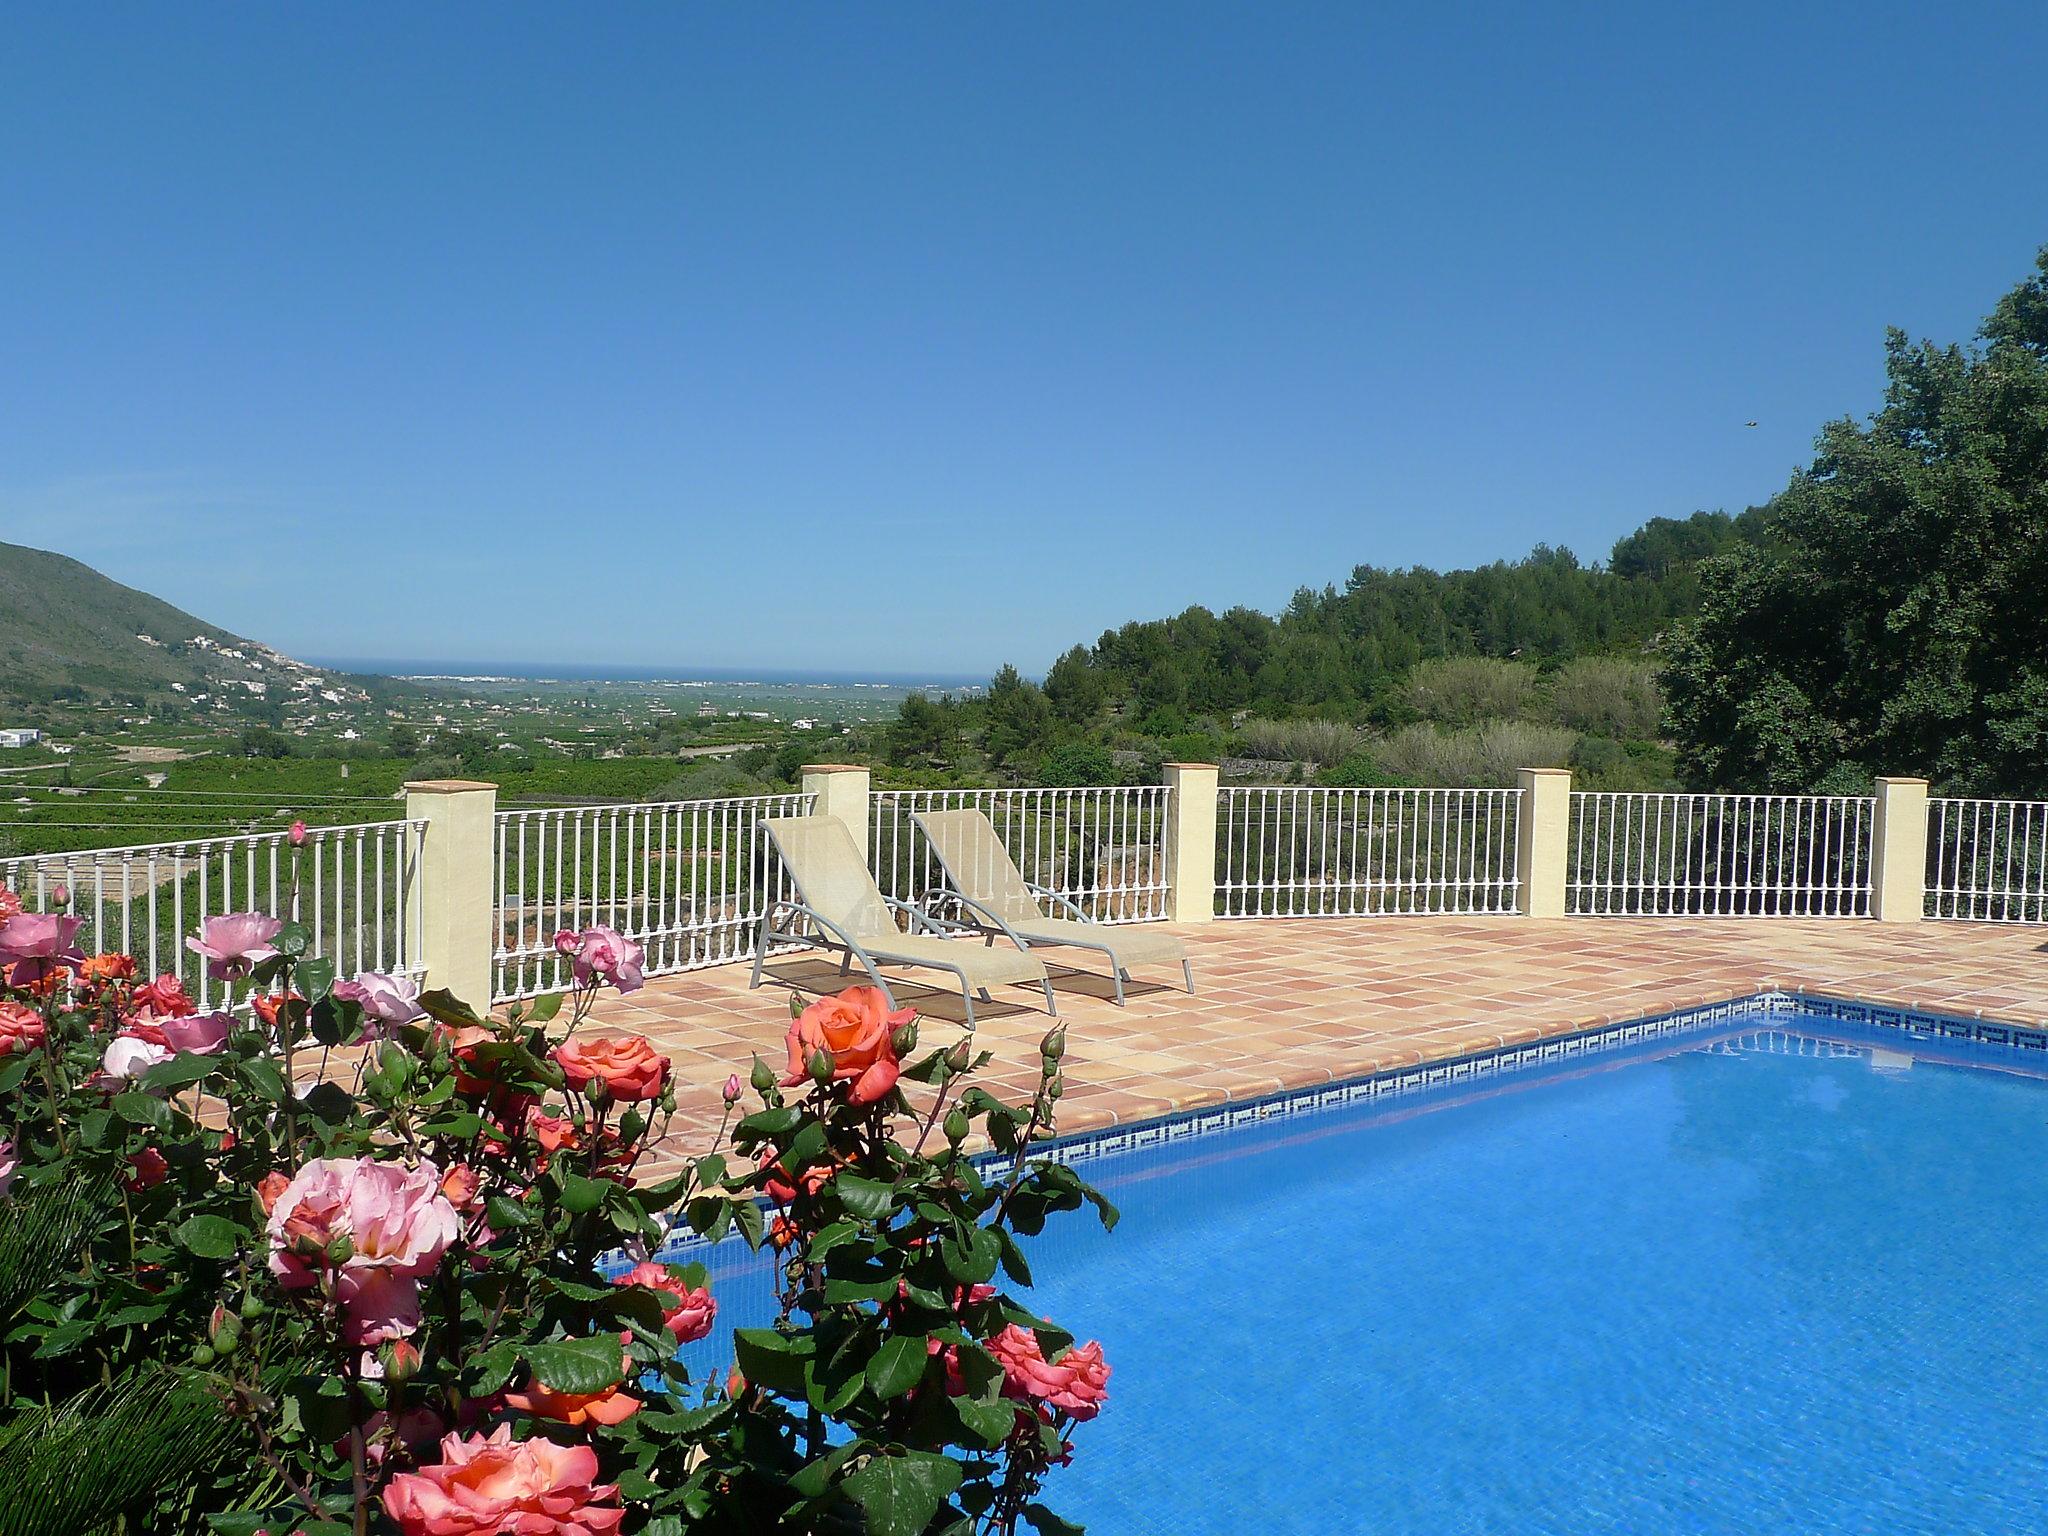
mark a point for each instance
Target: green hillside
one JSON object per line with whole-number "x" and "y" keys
{"x": 64, "y": 625}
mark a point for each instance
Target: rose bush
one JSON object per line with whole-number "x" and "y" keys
{"x": 327, "y": 1260}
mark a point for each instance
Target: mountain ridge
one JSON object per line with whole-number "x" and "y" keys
{"x": 67, "y": 629}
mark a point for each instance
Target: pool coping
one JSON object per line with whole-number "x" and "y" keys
{"x": 1486, "y": 1063}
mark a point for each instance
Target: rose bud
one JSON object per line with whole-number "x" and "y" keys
{"x": 821, "y": 1067}
{"x": 904, "y": 1041}
{"x": 566, "y": 942}
{"x": 296, "y": 834}
{"x": 1054, "y": 1045}
{"x": 340, "y": 1250}
{"x": 223, "y": 1330}
{"x": 400, "y": 1359}
{"x": 762, "y": 1077}
{"x": 959, "y": 1058}
{"x": 731, "y": 1092}
{"x": 956, "y": 1127}
{"x": 60, "y": 895}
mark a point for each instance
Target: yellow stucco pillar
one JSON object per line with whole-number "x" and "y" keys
{"x": 1189, "y": 843}
{"x": 1898, "y": 852}
{"x": 455, "y": 884}
{"x": 841, "y": 790}
{"x": 1543, "y": 840}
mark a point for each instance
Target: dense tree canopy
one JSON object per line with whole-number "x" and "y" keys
{"x": 1894, "y": 617}
{"x": 1345, "y": 652}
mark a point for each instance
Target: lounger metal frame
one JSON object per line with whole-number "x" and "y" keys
{"x": 830, "y": 935}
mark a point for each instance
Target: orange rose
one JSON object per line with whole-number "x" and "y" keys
{"x": 613, "y": 1405}
{"x": 21, "y": 1028}
{"x": 854, "y": 1029}
{"x": 108, "y": 967}
{"x": 267, "y": 1008}
{"x": 628, "y": 1066}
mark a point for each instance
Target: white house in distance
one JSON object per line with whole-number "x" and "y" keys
{"x": 19, "y": 736}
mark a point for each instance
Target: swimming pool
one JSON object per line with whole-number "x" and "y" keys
{"x": 1776, "y": 1275}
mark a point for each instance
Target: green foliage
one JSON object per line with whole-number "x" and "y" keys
{"x": 1480, "y": 757}
{"x": 1892, "y": 619}
{"x": 1078, "y": 763}
{"x": 1613, "y": 696}
{"x": 1464, "y": 690}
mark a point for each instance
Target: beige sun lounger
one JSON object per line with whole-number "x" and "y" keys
{"x": 1001, "y": 901}
{"x": 840, "y": 907}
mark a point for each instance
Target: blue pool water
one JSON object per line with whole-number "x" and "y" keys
{"x": 1741, "y": 1284}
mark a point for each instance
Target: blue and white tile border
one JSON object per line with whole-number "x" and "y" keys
{"x": 1501, "y": 1061}
{"x": 1486, "y": 1065}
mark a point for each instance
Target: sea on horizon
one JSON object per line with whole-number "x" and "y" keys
{"x": 572, "y": 672}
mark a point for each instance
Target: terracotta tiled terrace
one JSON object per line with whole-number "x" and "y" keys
{"x": 1290, "y": 1003}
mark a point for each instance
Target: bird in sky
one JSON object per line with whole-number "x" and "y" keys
{"x": 1749, "y": 423}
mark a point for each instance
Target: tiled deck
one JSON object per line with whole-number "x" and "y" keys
{"x": 1286, "y": 1004}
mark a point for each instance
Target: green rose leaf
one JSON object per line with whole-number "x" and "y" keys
{"x": 581, "y": 1196}
{"x": 544, "y": 1007}
{"x": 1046, "y": 1523}
{"x": 869, "y": 1198}
{"x": 576, "y": 1365}
{"x": 292, "y": 939}
{"x": 898, "y": 1366}
{"x": 139, "y": 1108}
{"x": 180, "y": 1071}
{"x": 494, "y": 1368}
{"x": 900, "y": 1494}
{"x": 210, "y": 1237}
{"x": 773, "y": 1360}
{"x": 314, "y": 978}
{"x": 990, "y": 1421}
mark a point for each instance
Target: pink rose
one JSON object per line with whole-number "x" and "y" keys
{"x": 1077, "y": 1383}
{"x": 398, "y": 1225}
{"x": 200, "y": 1033}
{"x": 686, "y": 1312}
{"x": 604, "y": 953}
{"x": 9, "y": 1162}
{"x": 295, "y": 834}
{"x": 377, "y": 1306}
{"x": 9, "y": 902}
{"x": 488, "y": 1484}
{"x": 128, "y": 1058}
{"x": 38, "y": 944}
{"x": 236, "y": 944}
{"x": 389, "y": 1000}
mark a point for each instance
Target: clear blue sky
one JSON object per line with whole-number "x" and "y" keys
{"x": 920, "y": 336}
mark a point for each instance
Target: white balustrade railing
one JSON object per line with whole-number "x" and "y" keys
{"x": 1102, "y": 848}
{"x": 1680, "y": 855}
{"x": 357, "y": 892}
{"x": 688, "y": 880}
{"x": 1311, "y": 852}
{"x": 1987, "y": 860}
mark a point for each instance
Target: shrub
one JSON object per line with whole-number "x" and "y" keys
{"x": 1464, "y": 690}
{"x": 1078, "y": 763}
{"x": 1609, "y": 696}
{"x": 339, "y": 1296}
{"x": 1480, "y": 757}
{"x": 1314, "y": 741}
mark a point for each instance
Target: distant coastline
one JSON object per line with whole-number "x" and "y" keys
{"x": 430, "y": 669}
